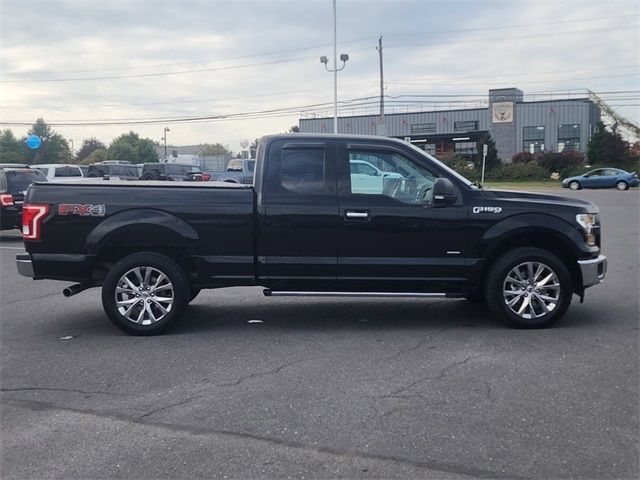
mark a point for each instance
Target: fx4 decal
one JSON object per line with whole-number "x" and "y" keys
{"x": 84, "y": 210}
{"x": 487, "y": 209}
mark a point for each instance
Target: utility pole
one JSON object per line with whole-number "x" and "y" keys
{"x": 166, "y": 129}
{"x": 381, "y": 84}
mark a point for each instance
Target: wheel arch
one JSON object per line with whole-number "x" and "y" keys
{"x": 555, "y": 236}
{"x": 141, "y": 230}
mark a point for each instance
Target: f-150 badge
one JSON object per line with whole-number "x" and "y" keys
{"x": 84, "y": 210}
{"x": 487, "y": 209}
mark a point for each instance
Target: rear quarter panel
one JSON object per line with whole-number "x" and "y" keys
{"x": 213, "y": 227}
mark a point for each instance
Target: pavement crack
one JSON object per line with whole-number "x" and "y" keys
{"x": 259, "y": 374}
{"x": 51, "y": 389}
{"x": 171, "y": 405}
{"x": 418, "y": 345}
{"x": 445, "y": 370}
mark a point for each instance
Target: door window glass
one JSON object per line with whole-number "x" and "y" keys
{"x": 303, "y": 170}
{"x": 397, "y": 177}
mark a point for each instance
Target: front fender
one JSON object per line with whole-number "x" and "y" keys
{"x": 142, "y": 227}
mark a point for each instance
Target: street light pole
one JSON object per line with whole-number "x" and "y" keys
{"x": 343, "y": 58}
{"x": 335, "y": 70}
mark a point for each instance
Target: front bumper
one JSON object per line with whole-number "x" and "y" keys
{"x": 593, "y": 270}
{"x": 25, "y": 265}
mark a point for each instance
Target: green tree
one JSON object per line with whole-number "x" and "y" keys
{"x": 294, "y": 129}
{"x": 216, "y": 149}
{"x": 493, "y": 160}
{"x": 54, "y": 148}
{"x": 11, "y": 149}
{"x": 131, "y": 148}
{"x": 96, "y": 156}
{"x": 146, "y": 151}
{"x": 607, "y": 147}
{"x": 89, "y": 146}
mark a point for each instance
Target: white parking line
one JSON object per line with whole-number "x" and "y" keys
{"x": 13, "y": 248}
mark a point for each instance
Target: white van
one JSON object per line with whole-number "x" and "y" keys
{"x": 57, "y": 171}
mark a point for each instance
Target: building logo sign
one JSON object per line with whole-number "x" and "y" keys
{"x": 502, "y": 112}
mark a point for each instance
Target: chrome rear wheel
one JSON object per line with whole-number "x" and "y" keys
{"x": 144, "y": 295}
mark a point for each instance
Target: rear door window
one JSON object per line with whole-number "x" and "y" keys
{"x": 303, "y": 171}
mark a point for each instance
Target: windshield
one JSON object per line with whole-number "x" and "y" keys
{"x": 449, "y": 170}
{"x": 19, "y": 181}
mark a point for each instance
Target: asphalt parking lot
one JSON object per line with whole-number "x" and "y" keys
{"x": 325, "y": 388}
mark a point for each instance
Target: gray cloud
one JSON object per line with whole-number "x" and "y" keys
{"x": 126, "y": 38}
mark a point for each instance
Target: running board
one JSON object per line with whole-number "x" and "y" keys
{"x": 271, "y": 293}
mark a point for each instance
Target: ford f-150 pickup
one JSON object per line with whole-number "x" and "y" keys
{"x": 306, "y": 228}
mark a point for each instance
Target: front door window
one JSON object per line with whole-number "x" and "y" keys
{"x": 391, "y": 175}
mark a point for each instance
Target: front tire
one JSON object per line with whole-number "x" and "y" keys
{"x": 574, "y": 185}
{"x": 622, "y": 185}
{"x": 145, "y": 293}
{"x": 529, "y": 288}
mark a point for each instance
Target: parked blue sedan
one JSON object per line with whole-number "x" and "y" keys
{"x": 603, "y": 178}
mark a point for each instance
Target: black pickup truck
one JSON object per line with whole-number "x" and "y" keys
{"x": 327, "y": 216}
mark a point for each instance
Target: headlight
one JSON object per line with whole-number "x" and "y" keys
{"x": 589, "y": 224}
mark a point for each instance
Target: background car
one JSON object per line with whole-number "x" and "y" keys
{"x": 238, "y": 171}
{"x": 121, "y": 171}
{"x": 54, "y": 171}
{"x": 172, "y": 171}
{"x": 603, "y": 178}
{"x": 367, "y": 178}
{"x": 13, "y": 185}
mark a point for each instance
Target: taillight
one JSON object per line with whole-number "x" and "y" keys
{"x": 32, "y": 216}
{"x": 6, "y": 199}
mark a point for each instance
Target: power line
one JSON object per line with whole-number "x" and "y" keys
{"x": 351, "y": 104}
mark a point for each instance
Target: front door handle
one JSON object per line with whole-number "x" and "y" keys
{"x": 354, "y": 215}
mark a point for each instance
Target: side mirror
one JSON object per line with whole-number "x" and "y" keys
{"x": 444, "y": 192}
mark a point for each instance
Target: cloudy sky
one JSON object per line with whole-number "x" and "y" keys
{"x": 81, "y": 61}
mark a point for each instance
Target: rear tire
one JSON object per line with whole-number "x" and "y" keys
{"x": 145, "y": 293}
{"x": 622, "y": 185}
{"x": 529, "y": 288}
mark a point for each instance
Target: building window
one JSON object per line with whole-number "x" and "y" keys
{"x": 465, "y": 148}
{"x": 422, "y": 128}
{"x": 568, "y": 137}
{"x": 533, "y": 139}
{"x": 466, "y": 126}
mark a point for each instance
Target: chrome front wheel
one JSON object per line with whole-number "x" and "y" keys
{"x": 528, "y": 287}
{"x": 531, "y": 290}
